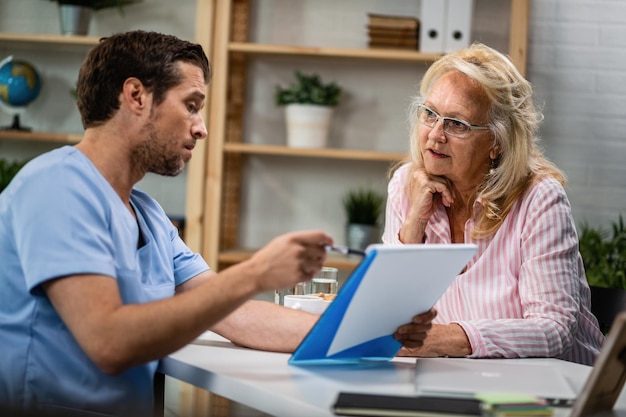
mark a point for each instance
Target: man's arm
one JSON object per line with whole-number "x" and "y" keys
{"x": 281, "y": 329}
{"x": 117, "y": 336}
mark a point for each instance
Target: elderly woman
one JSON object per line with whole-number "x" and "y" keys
{"x": 475, "y": 174}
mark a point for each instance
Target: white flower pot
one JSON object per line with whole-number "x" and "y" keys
{"x": 307, "y": 125}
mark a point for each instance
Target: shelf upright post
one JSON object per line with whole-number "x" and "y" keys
{"x": 216, "y": 130}
{"x": 518, "y": 34}
{"x": 194, "y": 207}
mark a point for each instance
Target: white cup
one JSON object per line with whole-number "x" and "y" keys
{"x": 311, "y": 303}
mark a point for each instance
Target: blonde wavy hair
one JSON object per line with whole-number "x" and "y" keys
{"x": 513, "y": 121}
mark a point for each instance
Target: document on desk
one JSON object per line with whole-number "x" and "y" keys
{"x": 390, "y": 286}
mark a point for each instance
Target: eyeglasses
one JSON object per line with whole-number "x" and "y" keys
{"x": 451, "y": 126}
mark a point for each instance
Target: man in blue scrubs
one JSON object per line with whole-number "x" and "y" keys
{"x": 96, "y": 285}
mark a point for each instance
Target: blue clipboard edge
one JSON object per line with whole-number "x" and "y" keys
{"x": 307, "y": 350}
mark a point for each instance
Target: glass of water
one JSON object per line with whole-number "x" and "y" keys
{"x": 325, "y": 281}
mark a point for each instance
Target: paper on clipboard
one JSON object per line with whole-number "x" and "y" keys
{"x": 391, "y": 285}
{"x": 412, "y": 291}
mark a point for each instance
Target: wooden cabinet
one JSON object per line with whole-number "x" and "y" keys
{"x": 244, "y": 156}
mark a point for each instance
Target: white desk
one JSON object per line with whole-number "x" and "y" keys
{"x": 264, "y": 380}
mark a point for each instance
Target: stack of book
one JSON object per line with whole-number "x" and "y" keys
{"x": 385, "y": 31}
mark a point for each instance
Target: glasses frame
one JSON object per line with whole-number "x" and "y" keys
{"x": 445, "y": 120}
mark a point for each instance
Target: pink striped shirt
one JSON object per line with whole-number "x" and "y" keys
{"x": 524, "y": 294}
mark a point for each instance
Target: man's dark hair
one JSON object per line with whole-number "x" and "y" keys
{"x": 149, "y": 56}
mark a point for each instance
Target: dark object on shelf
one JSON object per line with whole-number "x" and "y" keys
{"x": 16, "y": 125}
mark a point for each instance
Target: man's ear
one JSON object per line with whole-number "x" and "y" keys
{"x": 134, "y": 95}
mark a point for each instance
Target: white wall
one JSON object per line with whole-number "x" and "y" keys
{"x": 577, "y": 63}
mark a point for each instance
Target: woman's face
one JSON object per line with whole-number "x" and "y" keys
{"x": 463, "y": 161}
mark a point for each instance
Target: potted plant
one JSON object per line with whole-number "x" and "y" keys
{"x": 309, "y": 107}
{"x": 8, "y": 169}
{"x": 363, "y": 207}
{"x": 604, "y": 257}
{"x": 75, "y": 15}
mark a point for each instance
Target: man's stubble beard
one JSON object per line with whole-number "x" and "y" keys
{"x": 155, "y": 156}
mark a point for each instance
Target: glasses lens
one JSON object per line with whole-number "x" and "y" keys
{"x": 427, "y": 116}
{"x": 455, "y": 127}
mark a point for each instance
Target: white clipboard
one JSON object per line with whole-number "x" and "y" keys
{"x": 388, "y": 287}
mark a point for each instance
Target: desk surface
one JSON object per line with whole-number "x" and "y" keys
{"x": 264, "y": 380}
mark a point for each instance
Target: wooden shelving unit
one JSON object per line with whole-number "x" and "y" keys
{"x": 39, "y": 41}
{"x": 40, "y": 136}
{"x": 215, "y": 211}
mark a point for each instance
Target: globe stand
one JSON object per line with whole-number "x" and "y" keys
{"x": 15, "y": 125}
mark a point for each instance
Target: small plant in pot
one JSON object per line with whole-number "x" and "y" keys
{"x": 604, "y": 256}
{"x": 363, "y": 207}
{"x": 309, "y": 106}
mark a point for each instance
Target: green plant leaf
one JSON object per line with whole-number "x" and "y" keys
{"x": 309, "y": 89}
{"x": 604, "y": 254}
{"x": 8, "y": 170}
{"x": 363, "y": 206}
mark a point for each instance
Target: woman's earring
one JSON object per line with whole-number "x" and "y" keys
{"x": 494, "y": 165}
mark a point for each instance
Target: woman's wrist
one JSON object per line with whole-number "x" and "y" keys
{"x": 413, "y": 231}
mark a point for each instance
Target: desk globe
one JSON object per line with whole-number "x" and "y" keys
{"x": 20, "y": 84}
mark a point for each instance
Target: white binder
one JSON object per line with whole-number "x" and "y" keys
{"x": 432, "y": 21}
{"x": 445, "y": 25}
{"x": 458, "y": 24}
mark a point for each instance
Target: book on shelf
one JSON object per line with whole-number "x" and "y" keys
{"x": 398, "y": 32}
{"x": 384, "y": 41}
{"x": 392, "y": 32}
{"x": 387, "y": 46}
{"x": 393, "y": 22}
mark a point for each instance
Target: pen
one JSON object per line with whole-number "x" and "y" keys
{"x": 345, "y": 250}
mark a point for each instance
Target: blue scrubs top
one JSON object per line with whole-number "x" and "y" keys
{"x": 59, "y": 217}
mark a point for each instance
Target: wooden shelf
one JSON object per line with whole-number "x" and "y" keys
{"x": 215, "y": 211}
{"x": 231, "y": 257}
{"x": 341, "y": 53}
{"x": 246, "y": 148}
{"x": 47, "y": 39}
{"x": 40, "y": 136}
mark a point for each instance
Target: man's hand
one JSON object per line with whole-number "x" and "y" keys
{"x": 289, "y": 259}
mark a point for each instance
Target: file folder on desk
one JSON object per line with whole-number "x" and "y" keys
{"x": 388, "y": 287}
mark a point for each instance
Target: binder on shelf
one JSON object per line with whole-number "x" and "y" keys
{"x": 432, "y": 30}
{"x": 458, "y": 24}
{"x": 390, "y": 285}
{"x": 446, "y": 25}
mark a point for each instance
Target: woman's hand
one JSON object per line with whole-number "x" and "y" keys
{"x": 443, "y": 340}
{"x": 412, "y": 334}
{"x": 426, "y": 191}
